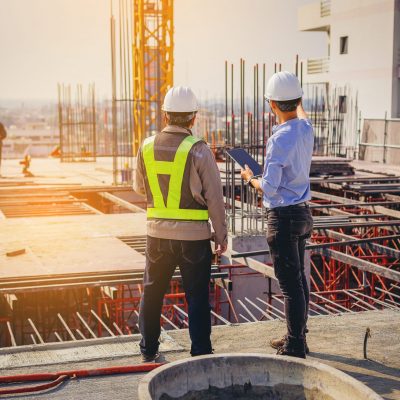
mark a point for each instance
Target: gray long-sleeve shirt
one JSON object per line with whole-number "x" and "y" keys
{"x": 206, "y": 188}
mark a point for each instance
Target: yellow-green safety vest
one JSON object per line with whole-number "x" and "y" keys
{"x": 176, "y": 170}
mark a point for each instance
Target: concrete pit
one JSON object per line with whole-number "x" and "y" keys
{"x": 251, "y": 376}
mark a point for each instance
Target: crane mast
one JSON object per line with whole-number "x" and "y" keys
{"x": 153, "y": 64}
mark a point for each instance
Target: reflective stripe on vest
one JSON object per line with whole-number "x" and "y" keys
{"x": 176, "y": 171}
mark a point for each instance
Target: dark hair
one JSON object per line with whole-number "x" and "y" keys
{"x": 181, "y": 119}
{"x": 288, "y": 105}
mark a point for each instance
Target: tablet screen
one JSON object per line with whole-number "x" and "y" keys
{"x": 242, "y": 157}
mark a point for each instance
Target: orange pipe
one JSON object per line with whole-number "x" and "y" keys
{"x": 59, "y": 377}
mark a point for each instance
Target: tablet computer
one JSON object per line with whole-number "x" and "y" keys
{"x": 242, "y": 157}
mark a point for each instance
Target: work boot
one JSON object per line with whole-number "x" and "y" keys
{"x": 156, "y": 358}
{"x": 291, "y": 352}
{"x": 202, "y": 354}
{"x": 277, "y": 343}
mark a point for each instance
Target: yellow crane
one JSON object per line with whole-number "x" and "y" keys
{"x": 153, "y": 64}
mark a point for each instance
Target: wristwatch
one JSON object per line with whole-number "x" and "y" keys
{"x": 249, "y": 181}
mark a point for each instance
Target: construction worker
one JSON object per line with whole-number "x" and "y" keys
{"x": 180, "y": 178}
{"x": 285, "y": 186}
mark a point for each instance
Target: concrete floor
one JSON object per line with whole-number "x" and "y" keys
{"x": 50, "y": 171}
{"x": 337, "y": 341}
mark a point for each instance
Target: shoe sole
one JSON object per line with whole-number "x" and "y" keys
{"x": 303, "y": 356}
{"x": 307, "y": 350}
{"x": 274, "y": 346}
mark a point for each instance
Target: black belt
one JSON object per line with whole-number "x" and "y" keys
{"x": 303, "y": 204}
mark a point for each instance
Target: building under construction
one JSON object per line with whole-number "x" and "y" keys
{"x": 73, "y": 237}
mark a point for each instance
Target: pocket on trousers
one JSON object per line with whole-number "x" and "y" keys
{"x": 153, "y": 250}
{"x": 194, "y": 252}
{"x": 271, "y": 239}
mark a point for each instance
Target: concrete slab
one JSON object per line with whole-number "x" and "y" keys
{"x": 79, "y": 351}
{"x": 60, "y": 245}
{"x": 336, "y": 341}
{"x": 376, "y": 168}
{"x": 49, "y": 171}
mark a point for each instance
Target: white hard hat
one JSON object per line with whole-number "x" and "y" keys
{"x": 180, "y": 99}
{"x": 283, "y": 86}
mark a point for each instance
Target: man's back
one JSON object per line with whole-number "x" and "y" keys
{"x": 289, "y": 150}
{"x": 201, "y": 188}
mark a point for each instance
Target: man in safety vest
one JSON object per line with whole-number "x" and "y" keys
{"x": 179, "y": 176}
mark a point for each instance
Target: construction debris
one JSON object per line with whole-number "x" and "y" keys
{"x": 330, "y": 166}
{"x": 15, "y": 253}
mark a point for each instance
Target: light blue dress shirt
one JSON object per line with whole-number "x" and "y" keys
{"x": 286, "y": 177}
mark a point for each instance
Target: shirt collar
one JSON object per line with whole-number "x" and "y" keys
{"x": 177, "y": 129}
{"x": 290, "y": 122}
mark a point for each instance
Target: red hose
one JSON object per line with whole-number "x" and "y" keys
{"x": 37, "y": 388}
{"x": 59, "y": 377}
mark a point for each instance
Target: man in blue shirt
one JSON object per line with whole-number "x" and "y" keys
{"x": 285, "y": 185}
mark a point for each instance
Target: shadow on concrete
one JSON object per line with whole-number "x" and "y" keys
{"x": 381, "y": 378}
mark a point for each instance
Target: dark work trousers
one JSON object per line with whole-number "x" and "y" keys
{"x": 194, "y": 261}
{"x": 288, "y": 229}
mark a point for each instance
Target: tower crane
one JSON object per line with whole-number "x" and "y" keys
{"x": 153, "y": 63}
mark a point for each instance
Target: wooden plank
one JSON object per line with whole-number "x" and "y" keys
{"x": 72, "y": 255}
{"x": 256, "y": 265}
{"x": 121, "y": 202}
{"x": 42, "y": 202}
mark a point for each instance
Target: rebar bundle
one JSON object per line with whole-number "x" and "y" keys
{"x": 336, "y": 119}
{"x": 77, "y": 123}
{"x": 122, "y": 92}
{"x": 248, "y": 125}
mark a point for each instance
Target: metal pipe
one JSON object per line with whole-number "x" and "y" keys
{"x": 259, "y": 309}
{"x": 102, "y": 323}
{"x": 332, "y": 302}
{"x": 66, "y": 326}
{"x": 248, "y": 311}
{"x": 86, "y": 325}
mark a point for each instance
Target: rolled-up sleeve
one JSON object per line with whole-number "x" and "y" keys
{"x": 138, "y": 175}
{"x": 211, "y": 190}
{"x": 274, "y": 164}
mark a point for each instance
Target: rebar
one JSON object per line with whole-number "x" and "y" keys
{"x": 121, "y": 26}
{"x": 77, "y": 123}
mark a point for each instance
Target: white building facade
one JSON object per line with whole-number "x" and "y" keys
{"x": 363, "y": 51}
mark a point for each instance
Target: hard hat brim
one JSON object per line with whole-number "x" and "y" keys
{"x": 166, "y": 109}
{"x": 277, "y": 98}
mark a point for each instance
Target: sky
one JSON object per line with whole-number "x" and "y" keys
{"x": 43, "y": 42}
